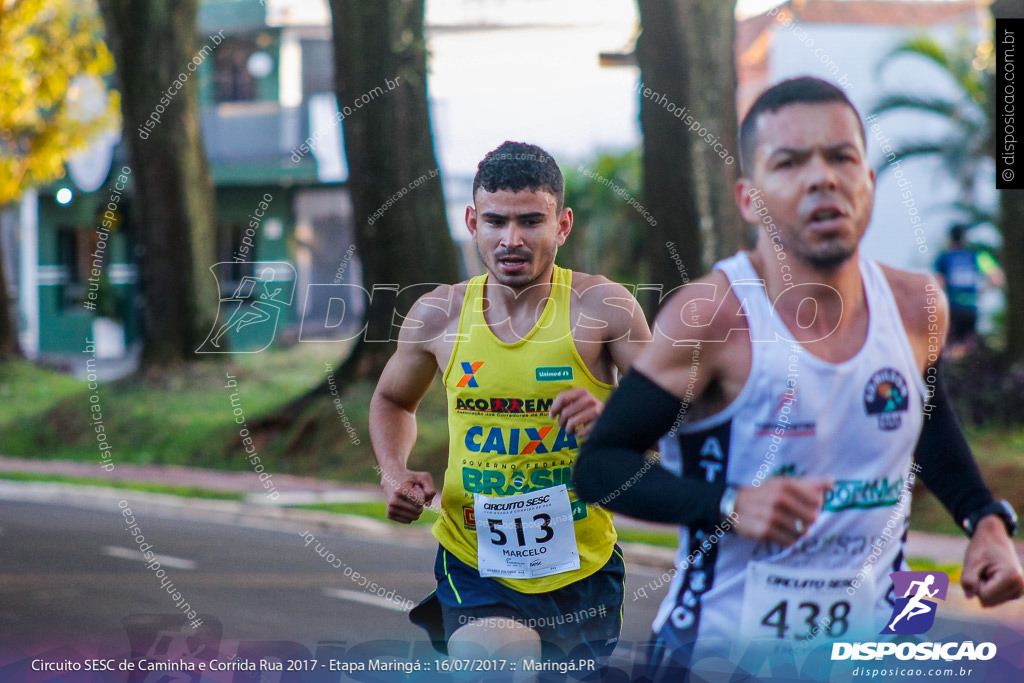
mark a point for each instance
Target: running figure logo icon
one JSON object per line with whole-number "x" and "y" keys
{"x": 257, "y": 302}
{"x": 914, "y": 613}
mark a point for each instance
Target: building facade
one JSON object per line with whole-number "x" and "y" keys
{"x": 266, "y": 87}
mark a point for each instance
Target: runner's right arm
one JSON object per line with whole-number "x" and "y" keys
{"x": 611, "y": 469}
{"x": 625, "y": 335}
{"x": 403, "y": 383}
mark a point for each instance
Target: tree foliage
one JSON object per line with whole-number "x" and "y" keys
{"x": 52, "y": 59}
{"x": 966, "y": 147}
{"x": 609, "y": 226}
{"x": 46, "y": 48}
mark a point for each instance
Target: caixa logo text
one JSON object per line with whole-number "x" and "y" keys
{"x": 949, "y": 652}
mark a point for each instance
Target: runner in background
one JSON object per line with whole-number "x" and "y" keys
{"x": 962, "y": 271}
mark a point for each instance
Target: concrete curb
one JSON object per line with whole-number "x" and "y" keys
{"x": 208, "y": 510}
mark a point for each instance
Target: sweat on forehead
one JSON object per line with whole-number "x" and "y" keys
{"x": 803, "y": 90}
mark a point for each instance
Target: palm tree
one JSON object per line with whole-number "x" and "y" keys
{"x": 966, "y": 151}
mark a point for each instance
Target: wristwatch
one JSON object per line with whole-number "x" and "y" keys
{"x": 727, "y": 506}
{"x": 1001, "y": 508}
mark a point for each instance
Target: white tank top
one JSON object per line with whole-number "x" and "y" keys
{"x": 856, "y": 422}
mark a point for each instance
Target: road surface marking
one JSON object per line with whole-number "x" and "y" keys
{"x": 365, "y": 598}
{"x": 164, "y": 560}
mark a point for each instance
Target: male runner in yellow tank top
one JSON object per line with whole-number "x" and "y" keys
{"x": 529, "y": 352}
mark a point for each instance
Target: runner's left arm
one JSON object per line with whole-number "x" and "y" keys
{"x": 992, "y": 569}
{"x": 944, "y": 459}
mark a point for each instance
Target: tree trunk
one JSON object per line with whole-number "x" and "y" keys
{"x": 713, "y": 84}
{"x": 1012, "y": 227}
{"x": 669, "y": 182}
{"x": 153, "y": 44}
{"x": 380, "y": 53}
{"x": 1011, "y": 224}
{"x": 688, "y": 81}
{"x": 401, "y": 228}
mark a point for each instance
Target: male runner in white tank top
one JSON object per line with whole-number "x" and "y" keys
{"x": 792, "y": 381}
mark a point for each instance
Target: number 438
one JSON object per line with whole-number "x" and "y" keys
{"x": 836, "y": 625}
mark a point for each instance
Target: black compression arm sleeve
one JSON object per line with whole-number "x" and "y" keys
{"x": 947, "y": 466}
{"x": 611, "y": 469}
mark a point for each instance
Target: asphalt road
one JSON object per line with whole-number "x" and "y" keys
{"x": 72, "y": 581}
{"x": 73, "y": 585}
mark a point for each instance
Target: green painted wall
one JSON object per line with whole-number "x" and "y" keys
{"x": 64, "y": 323}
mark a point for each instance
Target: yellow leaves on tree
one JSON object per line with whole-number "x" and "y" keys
{"x": 53, "y": 65}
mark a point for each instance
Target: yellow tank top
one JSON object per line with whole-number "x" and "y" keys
{"x": 502, "y": 441}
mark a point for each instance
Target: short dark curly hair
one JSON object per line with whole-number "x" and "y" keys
{"x": 800, "y": 90}
{"x": 519, "y": 166}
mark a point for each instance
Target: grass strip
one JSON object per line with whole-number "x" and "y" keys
{"x": 142, "y": 486}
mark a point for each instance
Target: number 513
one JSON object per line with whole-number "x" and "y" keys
{"x": 498, "y": 536}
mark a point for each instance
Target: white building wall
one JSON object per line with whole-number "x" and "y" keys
{"x": 528, "y": 71}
